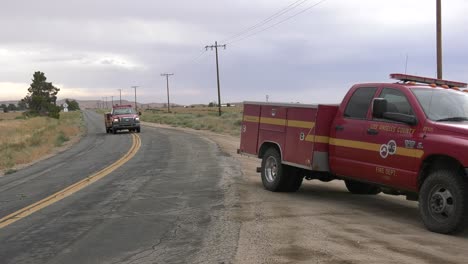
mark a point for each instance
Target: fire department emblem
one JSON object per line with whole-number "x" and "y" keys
{"x": 388, "y": 149}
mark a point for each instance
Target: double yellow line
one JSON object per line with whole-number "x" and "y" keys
{"x": 11, "y": 218}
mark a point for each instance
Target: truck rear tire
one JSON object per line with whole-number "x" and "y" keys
{"x": 356, "y": 187}
{"x": 273, "y": 172}
{"x": 443, "y": 201}
{"x": 114, "y": 131}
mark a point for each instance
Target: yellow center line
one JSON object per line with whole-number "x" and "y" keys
{"x": 11, "y": 218}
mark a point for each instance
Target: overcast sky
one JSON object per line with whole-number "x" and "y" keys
{"x": 90, "y": 48}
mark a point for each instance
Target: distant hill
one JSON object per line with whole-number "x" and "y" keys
{"x": 94, "y": 104}
{"x": 9, "y": 102}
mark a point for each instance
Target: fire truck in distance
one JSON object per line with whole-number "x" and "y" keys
{"x": 122, "y": 117}
{"x": 405, "y": 138}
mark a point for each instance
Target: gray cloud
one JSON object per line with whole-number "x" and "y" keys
{"x": 97, "y": 47}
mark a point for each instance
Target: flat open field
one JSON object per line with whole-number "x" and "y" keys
{"x": 198, "y": 118}
{"x": 10, "y": 115}
{"x": 25, "y": 140}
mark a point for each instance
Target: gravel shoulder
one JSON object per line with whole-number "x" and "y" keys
{"x": 324, "y": 223}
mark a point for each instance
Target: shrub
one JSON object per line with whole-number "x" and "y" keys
{"x": 61, "y": 138}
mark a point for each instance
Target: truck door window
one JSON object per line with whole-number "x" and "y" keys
{"x": 396, "y": 101}
{"x": 359, "y": 103}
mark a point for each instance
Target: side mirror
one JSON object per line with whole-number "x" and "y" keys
{"x": 139, "y": 113}
{"x": 379, "y": 107}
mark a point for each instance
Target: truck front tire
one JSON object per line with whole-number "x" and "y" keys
{"x": 277, "y": 177}
{"x": 443, "y": 201}
{"x": 356, "y": 187}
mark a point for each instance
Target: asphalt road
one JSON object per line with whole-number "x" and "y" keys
{"x": 166, "y": 205}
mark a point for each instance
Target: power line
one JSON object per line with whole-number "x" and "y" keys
{"x": 191, "y": 61}
{"x": 268, "y": 19}
{"x": 280, "y": 22}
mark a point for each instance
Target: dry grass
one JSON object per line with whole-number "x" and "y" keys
{"x": 102, "y": 111}
{"x": 25, "y": 140}
{"x": 10, "y": 115}
{"x": 199, "y": 118}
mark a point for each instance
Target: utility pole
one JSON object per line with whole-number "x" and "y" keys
{"x": 120, "y": 91}
{"x": 167, "y": 87}
{"x": 136, "y": 108}
{"x": 439, "y": 39}
{"x": 112, "y": 100}
{"x": 216, "y": 46}
{"x": 105, "y": 98}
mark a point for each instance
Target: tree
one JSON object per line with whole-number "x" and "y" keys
{"x": 4, "y": 107}
{"x": 42, "y": 97}
{"x": 21, "y": 105}
{"x": 72, "y": 105}
{"x": 11, "y": 107}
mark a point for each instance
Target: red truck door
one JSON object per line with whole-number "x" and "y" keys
{"x": 400, "y": 148}
{"x": 349, "y": 149}
{"x": 249, "y": 133}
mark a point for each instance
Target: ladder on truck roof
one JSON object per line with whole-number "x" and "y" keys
{"x": 426, "y": 80}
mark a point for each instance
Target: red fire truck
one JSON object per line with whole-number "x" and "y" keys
{"x": 405, "y": 138}
{"x": 122, "y": 117}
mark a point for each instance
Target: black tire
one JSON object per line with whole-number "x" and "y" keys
{"x": 138, "y": 130}
{"x": 273, "y": 172}
{"x": 107, "y": 130}
{"x": 114, "y": 131}
{"x": 294, "y": 179}
{"x": 356, "y": 187}
{"x": 443, "y": 201}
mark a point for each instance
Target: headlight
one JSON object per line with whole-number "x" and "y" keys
{"x": 137, "y": 118}
{"x": 116, "y": 120}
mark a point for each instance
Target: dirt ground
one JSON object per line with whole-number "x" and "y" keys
{"x": 324, "y": 223}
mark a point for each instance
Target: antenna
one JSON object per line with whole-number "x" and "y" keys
{"x": 406, "y": 63}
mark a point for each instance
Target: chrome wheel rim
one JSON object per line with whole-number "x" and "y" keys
{"x": 441, "y": 203}
{"x": 271, "y": 169}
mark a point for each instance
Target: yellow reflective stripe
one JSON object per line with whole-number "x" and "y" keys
{"x": 272, "y": 121}
{"x": 254, "y": 119}
{"x": 301, "y": 124}
{"x": 322, "y": 139}
{"x": 317, "y": 139}
{"x": 355, "y": 144}
{"x": 280, "y": 122}
{"x": 413, "y": 153}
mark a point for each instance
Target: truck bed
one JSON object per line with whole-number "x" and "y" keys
{"x": 300, "y": 131}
